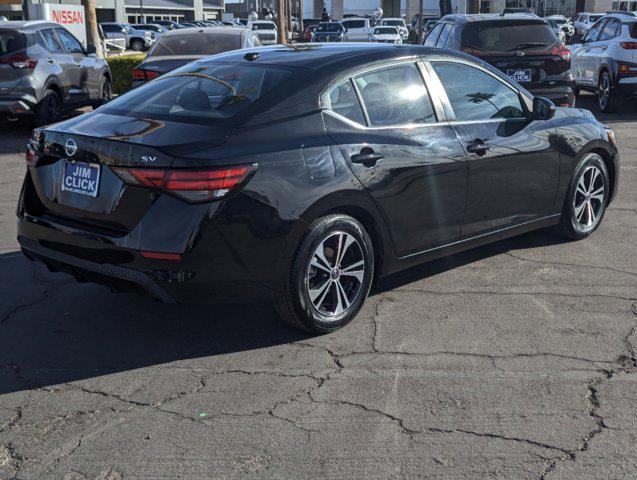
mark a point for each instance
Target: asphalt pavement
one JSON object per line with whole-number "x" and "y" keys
{"x": 512, "y": 361}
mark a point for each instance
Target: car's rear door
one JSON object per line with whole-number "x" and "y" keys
{"x": 513, "y": 163}
{"x": 403, "y": 151}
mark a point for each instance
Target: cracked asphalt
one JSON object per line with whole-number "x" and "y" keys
{"x": 511, "y": 361}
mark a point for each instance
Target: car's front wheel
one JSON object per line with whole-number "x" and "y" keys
{"x": 331, "y": 275}
{"x": 586, "y": 199}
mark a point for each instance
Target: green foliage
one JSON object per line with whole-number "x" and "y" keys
{"x": 122, "y": 71}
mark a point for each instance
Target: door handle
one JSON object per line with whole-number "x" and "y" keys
{"x": 478, "y": 147}
{"x": 367, "y": 157}
{"x": 49, "y": 59}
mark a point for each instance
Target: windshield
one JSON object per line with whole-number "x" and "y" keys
{"x": 11, "y": 42}
{"x": 195, "y": 44}
{"x": 353, "y": 23}
{"x": 263, "y": 26}
{"x": 385, "y": 31}
{"x": 394, "y": 23}
{"x": 329, "y": 27}
{"x": 499, "y": 36}
{"x": 200, "y": 93}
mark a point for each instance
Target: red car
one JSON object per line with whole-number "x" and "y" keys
{"x": 307, "y": 35}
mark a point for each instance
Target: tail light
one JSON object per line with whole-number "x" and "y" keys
{"x": 563, "y": 51}
{"x": 193, "y": 186}
{"x": 144, "y": 75}
{"x": 627, "y": 70}
{"x": 628, "y": 45}
{"x": 20, "y": 60}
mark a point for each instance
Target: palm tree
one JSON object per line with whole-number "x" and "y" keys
{"x": 479, "y": 97}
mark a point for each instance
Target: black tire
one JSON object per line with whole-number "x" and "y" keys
{"x": 574, "y": 223}
{"x": 605, "y": 98}
{"x": 336, "y": 288}
{"x": 576, "y": 92}
{"x": 49, "y": 110}
{"x": 106, "y": 92}
{"x": 137, "y": 45}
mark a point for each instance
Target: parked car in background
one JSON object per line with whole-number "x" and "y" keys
{"x": 584, "y": 21}
{"x": 606, "y": 60}
{"x": 562, "y": 22}
{"x": 138, "y": 40}
{"x": 151, "y": 27}
{"x": 329, "y": 32}
{"x": 398, "y": 23}
{"x": 307, "y": 34}
{"x": 425, "y": 19}
{"x": 558, "y": 30}
{"x": 202, "y": 186}
{"x": 522, "y": 46}
{"x": 168, "y": 24}
{"x": 266, "y": 31}
{"x": 385, "y": 35}
{"x": 179, "y": 47}
{"x": 358, "y": 29}
{"x": 45, "y": 71}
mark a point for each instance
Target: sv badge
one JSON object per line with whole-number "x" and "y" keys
{"x": 148, "y": 158}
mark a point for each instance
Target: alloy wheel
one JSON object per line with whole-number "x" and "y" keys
{"x": 589, "y": 198}
{"x": 106, "y": 91}
{"x": 604, "y": 91}
{"x": 335, "y": 274}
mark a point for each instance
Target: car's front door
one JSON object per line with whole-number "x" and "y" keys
{"x": 513, "y": 163}
{"x": 412, "y": 164}
{"x": 78, "y": 76}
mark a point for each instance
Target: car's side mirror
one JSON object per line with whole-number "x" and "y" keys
{"x": 91, "y": 50}
{"x": 543, "y": 108}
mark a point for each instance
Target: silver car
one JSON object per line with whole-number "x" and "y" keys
{"x": 138, "y": 40}
{"x": 158, "y": 30}
{"x": 45, "y": 70}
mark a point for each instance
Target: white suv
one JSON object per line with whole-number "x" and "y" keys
{"x": 266, "y": 31}
{"x": 358, "y": 29}
{"x": 606, "y": 60}
{"x": 398, "y": 23}
{"x": 584, "y": 21}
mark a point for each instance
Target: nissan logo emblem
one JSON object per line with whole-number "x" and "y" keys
{"x": 70, "y": 147}
{"x": 519, "y": 53}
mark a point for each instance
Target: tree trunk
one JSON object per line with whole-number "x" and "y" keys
{"x": 92, "y": 32}
{"x": 420, "y": 21}
{"x": 290, "y": 29}
{"x": 280, "y": 20}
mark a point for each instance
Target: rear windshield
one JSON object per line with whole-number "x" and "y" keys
{"x": 500, "y": 36}
{"x": 394, "y": 23}
{"x": 263, "y": 26}
{"x": 201, "y": 93}
{"x": 195, "y": 44}
{"x": 353, "y": 23}
{"x": 385, "y": 31}
{"x": 329, "y": 27}
{"x": 11, "y": 42}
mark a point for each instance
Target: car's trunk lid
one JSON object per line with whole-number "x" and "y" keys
{"x": 110, "y": 141}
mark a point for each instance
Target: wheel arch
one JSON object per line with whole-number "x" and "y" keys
{"x": 53, "y": 84}
{"x": 610, "y": 168}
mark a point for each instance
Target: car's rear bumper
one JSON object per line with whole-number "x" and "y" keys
{"x": 562, "y": 96}
{"x": 626, "y": 87}
{"x": 17, "y": 106}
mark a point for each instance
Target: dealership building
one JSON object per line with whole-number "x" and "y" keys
{"x": 131, "y": 11}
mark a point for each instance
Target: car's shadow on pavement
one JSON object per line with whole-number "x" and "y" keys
{"x": 54, "y": 331}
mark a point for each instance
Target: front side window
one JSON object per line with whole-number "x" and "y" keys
{"x": 343, "y": 100}
{"x": 476, "y": 95}
{"x": 593, "y": 32}
{"x": 50, "y": 41}
{"x": 70, "y": 43}
{"x": 610, "y": 30}
{"x": 444, "y": 35}
{"x": 395, "y": 96}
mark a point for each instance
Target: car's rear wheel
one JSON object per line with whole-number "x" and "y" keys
{"x": 586, "y": 199}
{"x": 605, "y": 98}
{"x": 49, "y": 109}
{"x": 137, "y": 45}
{"x": 331, "y": 275}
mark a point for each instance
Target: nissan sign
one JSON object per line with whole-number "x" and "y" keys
{"x": 71, "y": 17}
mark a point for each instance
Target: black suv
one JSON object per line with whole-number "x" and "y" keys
{"x": 522, "y": 46}
{"x": 45, "y": 70}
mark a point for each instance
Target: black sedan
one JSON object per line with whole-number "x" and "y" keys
{"x": 329, "y": 32}
{"x": 302, "y": 174}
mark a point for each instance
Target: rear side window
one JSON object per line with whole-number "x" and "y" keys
{"x": 430, "y": 41}
{"x": 195, "y": 44}
{"x": 201, "y": 93}
{"x": 501, "y": 36}
{"x": 11, "y": 42}
{"x": 395, "y": 96}
{"x": 476, "y": 95}
{"x": 343, "y": 100}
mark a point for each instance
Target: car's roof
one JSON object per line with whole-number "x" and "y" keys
{"x": 206, "y": 30}
{"x": 626, "y": 17}
{"x": 263, "y": 21}
{"x": 481, "y": 17}
{"x": 393, "y": 18}
{"x": 28, "y": 25}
